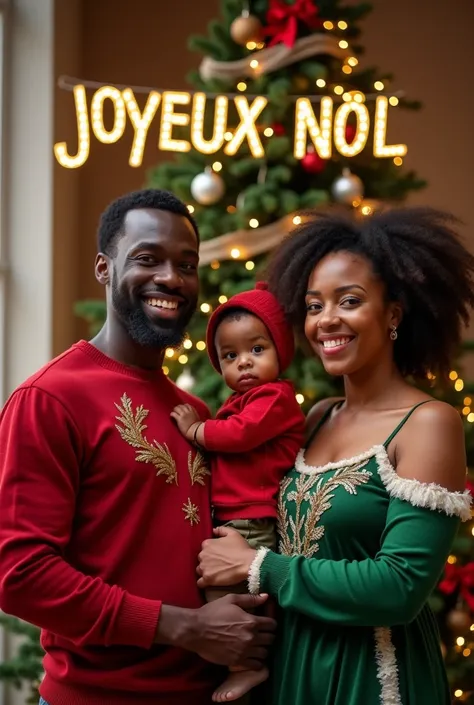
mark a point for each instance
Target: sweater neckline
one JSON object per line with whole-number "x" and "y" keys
{"x": 114, "y": 366}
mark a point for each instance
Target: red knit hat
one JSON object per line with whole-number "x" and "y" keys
{"x": 264, "y": 305}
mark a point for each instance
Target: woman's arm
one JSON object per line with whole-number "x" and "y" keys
{"x": 425, "y": 506}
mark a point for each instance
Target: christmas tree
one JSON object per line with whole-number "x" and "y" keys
{"x": 317, "y": 121}
{"x": 24, "y": 668}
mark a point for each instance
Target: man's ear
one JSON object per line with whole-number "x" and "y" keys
{"x": 102, "y": 269}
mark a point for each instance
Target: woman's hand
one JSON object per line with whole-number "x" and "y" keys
{"x": 225, "y": 560}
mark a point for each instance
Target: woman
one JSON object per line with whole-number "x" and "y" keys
{"x": 369, "y": 512}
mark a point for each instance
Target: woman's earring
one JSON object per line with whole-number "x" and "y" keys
{"x": 393, "y": 333}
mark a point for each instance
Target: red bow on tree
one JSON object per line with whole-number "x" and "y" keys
{"x": 282, "y": 20}
{"x": 459, "y": 578}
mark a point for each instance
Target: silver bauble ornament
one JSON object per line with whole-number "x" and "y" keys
{"x": 185, "y": 380}
{"x": 207, "y": 188}
{"x": 347, "y": 188}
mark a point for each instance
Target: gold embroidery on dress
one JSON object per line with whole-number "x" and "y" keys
{"x": 197, "y": 467}
{"x": 132, "y": 432}
{"x": 191, "y": 512}
{"x": 305, "y": 528}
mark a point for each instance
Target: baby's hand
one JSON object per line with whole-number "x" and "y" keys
{"x": 186, "y": 417}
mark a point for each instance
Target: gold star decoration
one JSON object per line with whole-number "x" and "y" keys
{"x": 191, "y": 512}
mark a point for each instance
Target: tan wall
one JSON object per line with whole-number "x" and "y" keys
{"x": 428, "y": 46}
{"x": 66, "y": 214}
{"x": 144, "y": 43}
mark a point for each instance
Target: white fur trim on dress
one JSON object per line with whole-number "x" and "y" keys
{"x": 254, "y": 570}
{"x": 303, "y": 468}
{"x": 387, "y": 669}
{"x": 422, "y": 494}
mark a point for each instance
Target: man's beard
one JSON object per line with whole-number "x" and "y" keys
{"x": 142, "y": 331}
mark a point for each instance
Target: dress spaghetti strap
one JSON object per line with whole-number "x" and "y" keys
{"x": 331, "y": 408}
{"x": 403, "y": 422}
{"x": 323, "y": 420}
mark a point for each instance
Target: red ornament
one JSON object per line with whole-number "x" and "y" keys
{"x": 470, "y": 487}
{"x": 350, "y": 133}
{"x": 312, "y": 162}
{"x": 282, "y": 20}
{"x": 278, "y": 129}
{"x": 459, "y": 578}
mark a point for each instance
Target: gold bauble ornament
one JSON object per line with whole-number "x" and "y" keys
{"x": 246, "y": 28}
{"x": 458, "y": 621}
{"x": 301, "y": 84}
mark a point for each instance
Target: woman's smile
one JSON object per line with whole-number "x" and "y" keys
{"x": 334, "y": 344}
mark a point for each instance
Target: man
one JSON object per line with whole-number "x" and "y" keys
{"x": 104, "y": 505}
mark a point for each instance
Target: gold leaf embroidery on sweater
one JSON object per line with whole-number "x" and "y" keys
{"x": 301, "y": 535}
{"x": 198, "y": 468}
{"x": 191, "y": 512}
{"x": 131, "y": 431}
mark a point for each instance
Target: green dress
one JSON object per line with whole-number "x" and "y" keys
{"x": 360, "y": 551}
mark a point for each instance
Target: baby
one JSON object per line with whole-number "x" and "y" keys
{"x": 256, "y": 434}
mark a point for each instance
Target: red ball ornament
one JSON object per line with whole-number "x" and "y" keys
{"x": 312, "y": 162}
{"x": 278, "y": 129}
{"x": 350, "y": 133}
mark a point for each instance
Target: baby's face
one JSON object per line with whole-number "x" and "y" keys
{"x": 247, "y": 354}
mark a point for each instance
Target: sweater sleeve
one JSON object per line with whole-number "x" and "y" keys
{"x": 40, "y": 458}
{"x": 386, "y": 590}
{"x": 270, "y": 412}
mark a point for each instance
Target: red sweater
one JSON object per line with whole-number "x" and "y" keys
{"x": 255, "y": 438}
{"x": 103, "y": 506}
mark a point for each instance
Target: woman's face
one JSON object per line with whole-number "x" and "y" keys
{"x": 348, "y": 320}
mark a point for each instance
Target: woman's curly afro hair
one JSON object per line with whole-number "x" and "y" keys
{"x": 418, "y": 256}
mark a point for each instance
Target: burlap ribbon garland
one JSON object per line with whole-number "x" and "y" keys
{"x": 272, "y": 58}
{"x": 249, "y": 242}
{"x": 253, "y": 242}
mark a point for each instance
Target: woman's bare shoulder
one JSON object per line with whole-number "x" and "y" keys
{"x": 431, "y": 446}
